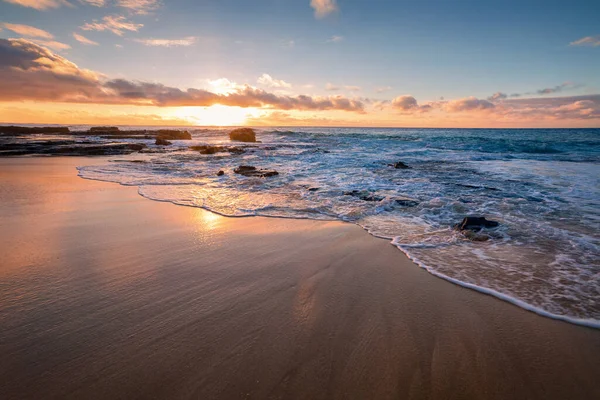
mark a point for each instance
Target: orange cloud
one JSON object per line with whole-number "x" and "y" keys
{"x": 116, "y": 24}
{"x": 84, "y": 40}
{"x": 31, "y": 72}
{"x": 29, "y": 31}
{"x": 40, "y": 4}
{"x": 323, "y": 7}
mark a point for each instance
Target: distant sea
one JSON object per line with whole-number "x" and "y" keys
{"x": 541, "y": 185}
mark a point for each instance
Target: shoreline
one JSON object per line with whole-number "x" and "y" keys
{"x": 588, "y": 323}
{"x": 183, "y": 302}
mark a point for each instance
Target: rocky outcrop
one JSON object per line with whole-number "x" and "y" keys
{"x": 243, "y": 135}
{"x": 475, "y": 224}
{"x": 399, "y": 165}
{"x": 69, "y": 148}
{"x": 173, "y": 135}
{"x": 23, "y": 130}
{"x": 250, "y": 171}
{"x": 207, "y": 149}
{"x": 104, "y": 129}
{"x": 162, "y": 142}
{"x": 364, "y": 195}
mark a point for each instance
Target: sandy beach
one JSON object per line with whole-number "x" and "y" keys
{"x": 105, "y": 294}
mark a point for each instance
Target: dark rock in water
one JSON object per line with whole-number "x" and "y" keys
{"x": 162, "y": 142}
{"x": 399, "y": 165}
{"x": 314, "y": 189}
{"x": 104, "y": 129}
{"x": 405, "y": 202}
{"x": 476, "y": 237}
{"x": 220, "y": 173}
{"x": 363, "y": 195}
{"x": 243, "y": 135}
{"x": 22, "y": 130}
{"x": 207, "y": 149}
{"x": 250, "y": 171}
{"x": 69, "y": 148}
{"x": 475, "y": 224}
{"x": 174, "y": 135}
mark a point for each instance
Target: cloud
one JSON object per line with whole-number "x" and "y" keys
{"x": 323, "y": 7}
{"x": 406, "y": 104}
{"x": 29, "y": 31}
{"x": 116, "y": 24}
{"x": 267, "y": 80}
{"x": 331, "y": 87}
{"x": 352, "y": 88}
{"x": 31, "y": 72}
{"x": 40, "y": 4}
{"x": 140, "y": 6}
{"x": 556, "y": 89}
{"x": 51, "y": 44}
{"x": 593, "y": 41}
{"x": 187, "y": 41}
{"x": 335, "y": 39}
{"x": 95, "y": 3}
{"x": 497, "y": 96}
{"x": 84, "y": 40}
{"x": 383, "y": 89}
{"x": 552, "y": 108}
{"x": 468, "y": 104}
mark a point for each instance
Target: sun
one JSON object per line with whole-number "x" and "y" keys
{"x": 217, "y": 115}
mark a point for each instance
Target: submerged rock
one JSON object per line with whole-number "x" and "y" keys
{"x": 250, "y": 171}
{"x": 406, "y": 202}
{"x": 243, "y": 135}
{"x": 399, "y": 165}
{"x": 207, "y": 149}
{"x": 220, "y": 173}
{"x": 475, "y": 224}
{"x": 162, "y": 142}
{"x": 364, "y": 195}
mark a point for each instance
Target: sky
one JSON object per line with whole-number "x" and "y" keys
{"x": 397, "y": 63}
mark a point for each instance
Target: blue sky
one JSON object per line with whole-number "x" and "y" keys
{"x": 429, "y": 49}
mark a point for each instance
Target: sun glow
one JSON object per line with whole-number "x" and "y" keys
{"x": 216, "y": 115}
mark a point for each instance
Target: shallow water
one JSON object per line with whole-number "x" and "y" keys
{"x": 543, "y": 186}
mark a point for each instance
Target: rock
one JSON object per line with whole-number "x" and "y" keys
{"x": 313, "y": 189}
{"x": 406, "y": 202}
{"x": 250, "y": 171}
{"x": 220, "y": 173}
{"x": 399, "y": 165}
{"x": 243, "y": 135}
{"x": 105, "y": 129}
{"x": 22, "y": 130}
{"x": 173, "y": 135}
{"x": 364, "y": 195}
{"x": 475, "y": 224}
{"x": 476, "y": 237}
{"x": 207, "y": 149}
{"x": 162, "y": 142}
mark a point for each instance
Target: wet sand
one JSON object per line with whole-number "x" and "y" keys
{"x": 105, "y": 294}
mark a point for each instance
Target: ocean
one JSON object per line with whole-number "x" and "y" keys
{"x": 541, "y": 185}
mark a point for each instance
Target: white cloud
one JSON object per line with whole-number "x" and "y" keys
{"x": 84, "y": 40}
{"x": 269, "y": 81}
{"x": 593, "y": 41}
{"x": 331, "y": 87}
{"x": 383, "y": 89}
{"x": 40, "y": 4}
{"x": 95, "y": 3}
{"x": 323, "y": 7}
{"x": 335, "y": 39}
{"x": 116, "y": 24}
{"x": 140, "y": 6}
{"x": 187, "y": 41}
{"x": 352, "y": 88}
{"x": 29, "y": 31}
